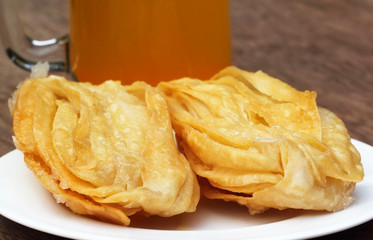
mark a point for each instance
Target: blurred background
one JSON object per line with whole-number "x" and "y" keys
{"x": 320, "y": 45}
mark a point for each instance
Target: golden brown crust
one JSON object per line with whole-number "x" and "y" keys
{"x": 101, "y": 150}
{"x": 262, "y": 143}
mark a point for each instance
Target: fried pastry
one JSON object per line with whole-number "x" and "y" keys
{"x": 255, "y": 140}
{"x": 107, "y": 151}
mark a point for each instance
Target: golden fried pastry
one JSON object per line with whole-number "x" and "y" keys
{"x": 107, "y": 151}
{"x": 257, "y": 141}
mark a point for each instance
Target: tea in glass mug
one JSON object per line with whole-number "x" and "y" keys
{"x": 147, "y": 40}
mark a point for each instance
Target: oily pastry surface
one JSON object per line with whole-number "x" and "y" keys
{"x": 107, "y": 151}
{"x": 255, "y": 140}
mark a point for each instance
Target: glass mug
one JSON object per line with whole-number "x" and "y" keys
{"x": 129, "y": 40}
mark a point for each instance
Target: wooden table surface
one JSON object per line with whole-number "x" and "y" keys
{"x": 321, "y": 45}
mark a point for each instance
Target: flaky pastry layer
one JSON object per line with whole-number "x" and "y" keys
{"x": 107, "y": 151}
{"x": 257, "y": 141}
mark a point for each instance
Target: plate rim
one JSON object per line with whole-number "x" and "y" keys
{"x": 186, "y": 234}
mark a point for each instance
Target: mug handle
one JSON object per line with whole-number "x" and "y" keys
{"x": 24, "y": 51}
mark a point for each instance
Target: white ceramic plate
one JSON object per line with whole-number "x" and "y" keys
{"x": 24, "y": 200}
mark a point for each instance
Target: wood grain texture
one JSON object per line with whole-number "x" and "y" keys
{"x": 321, "y": 45}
